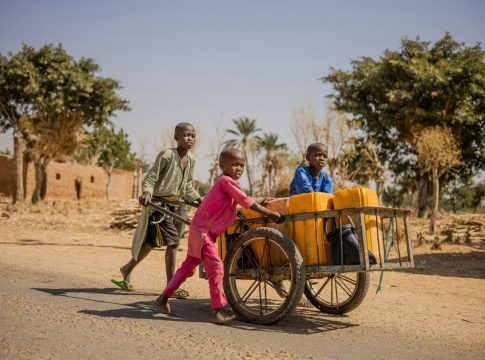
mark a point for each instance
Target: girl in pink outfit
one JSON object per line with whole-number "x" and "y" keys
{"x": 215, "y": 214}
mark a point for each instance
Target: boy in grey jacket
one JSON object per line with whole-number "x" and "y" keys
{"x": 169, "y": 180}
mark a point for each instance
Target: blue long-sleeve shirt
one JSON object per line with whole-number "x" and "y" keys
{"x": 304, "y": 182}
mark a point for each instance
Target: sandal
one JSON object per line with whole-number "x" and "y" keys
{"x": 305, "y": 304}
{"x": 180, "y": 294}
{"x": 123, "y": 284}
{"x": 220, "y": 319}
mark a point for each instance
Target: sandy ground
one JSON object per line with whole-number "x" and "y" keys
{"x": 56, "y": 261}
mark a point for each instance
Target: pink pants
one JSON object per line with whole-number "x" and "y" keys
{"x": 213, "y": 266}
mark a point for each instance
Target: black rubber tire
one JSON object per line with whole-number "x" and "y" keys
{"x": 295, "y": 273}
{"x": 354, "y": 299}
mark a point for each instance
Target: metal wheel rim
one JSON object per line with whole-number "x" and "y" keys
{"x": 267, "y": 300}
{"x": 335, "y": 290}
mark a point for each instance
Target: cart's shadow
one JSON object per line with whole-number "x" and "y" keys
{"x": 302, "y": 321}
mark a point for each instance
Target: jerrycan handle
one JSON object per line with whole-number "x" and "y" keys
{"x": 240, "y": 215}
{"x": 349, "y": 218}
{"x": 242, "y": 221}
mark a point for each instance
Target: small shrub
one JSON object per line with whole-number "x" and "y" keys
{"x": 436, "y": 245}
{"x": 419, "y": 239}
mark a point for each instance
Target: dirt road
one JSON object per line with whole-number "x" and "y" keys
{"x": 58, "y": 303}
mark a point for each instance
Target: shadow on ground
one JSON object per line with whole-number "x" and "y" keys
{"x": 97, "y": 295}
{"x": 35, "y": 242}
{"x": 464, "y": 265}
{"x": 106, "y": 291}
{"x": 302, "y": 321}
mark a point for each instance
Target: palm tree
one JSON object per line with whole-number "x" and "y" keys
{"x": 269, "y": 144}
{"x": 246, "y": 140}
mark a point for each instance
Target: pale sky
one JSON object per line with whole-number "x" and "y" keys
{"x": 208, "y": 62}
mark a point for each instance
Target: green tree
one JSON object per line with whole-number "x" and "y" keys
{"x": 463, "y": 196}
{"x": 246, "y": 140}
{"x": 51, "y": 138}
{"x": 272, "y": 151}
{"x": 454, "y": 198}
{"x": 19, "y": 90}
{"x": 110, "y": 149}
{"x": 46, "y": 86}
{"x": 478, "y": 192}
{"x": 392, "y": 196}
{"x": 419, "y": 86}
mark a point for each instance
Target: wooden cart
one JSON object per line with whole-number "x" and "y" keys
{"x": 265, "y": 275}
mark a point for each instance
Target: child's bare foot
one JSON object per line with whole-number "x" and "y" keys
{"x": 162, "y": 304}
{"x": 124, "y": 274}
{"x": 219, "y": 318}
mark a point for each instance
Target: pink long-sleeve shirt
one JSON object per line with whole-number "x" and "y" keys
{"x": 216, "y": 212}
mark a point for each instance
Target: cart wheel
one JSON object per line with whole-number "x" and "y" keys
{"x": 264, "y": 276}
{"x": 338, "y": 293}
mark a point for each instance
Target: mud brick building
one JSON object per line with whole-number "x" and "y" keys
{"x": 70, "y": 181}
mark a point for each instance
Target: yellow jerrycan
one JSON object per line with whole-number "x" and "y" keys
{"x": 277, "y": 258}
{"x": 360, "y": 197}
{"x": 309, "y": 235}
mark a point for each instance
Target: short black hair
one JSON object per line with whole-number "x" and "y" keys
{"x": 315, "y": 147}
{"x": 181, "y": 126}
{"x": 229, "y": 153}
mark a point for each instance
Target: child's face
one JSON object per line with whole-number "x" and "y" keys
{"x": 185, "y": 137}
{"x": 234, "y": 166}
{"x": 317, "y": 158}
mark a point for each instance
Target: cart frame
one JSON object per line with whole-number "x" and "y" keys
{"x": 304, "y": 276}
{"x": 378, "y": 212}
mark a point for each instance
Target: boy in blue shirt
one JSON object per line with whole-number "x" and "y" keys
{"x": 312, "y": 177}
{"x": 308, "y": 179}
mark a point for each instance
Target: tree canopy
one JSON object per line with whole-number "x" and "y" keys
{"x": 50, "y": 80}
{"x": 437, "y": 153}
{"x": 109, "y": 149}
{"x": 272, "y": 151}
{"x": 419, "y": 86}
{"x": 49, "y": 86}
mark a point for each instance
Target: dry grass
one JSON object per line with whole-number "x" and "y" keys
{"x": 467, "y": 229}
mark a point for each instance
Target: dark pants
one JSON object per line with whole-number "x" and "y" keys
{"x": 168, "y": 229}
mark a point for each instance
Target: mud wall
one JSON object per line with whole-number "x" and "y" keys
{"x": 69, "y": 181}
{"x": 7, "y": 181}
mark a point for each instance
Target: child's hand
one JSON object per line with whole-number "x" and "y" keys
{"x": 266, "y": 201}
{"x": 195, "y": 203}
{"x": 276, "y": 217}
{"x": 145, "y": 198}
